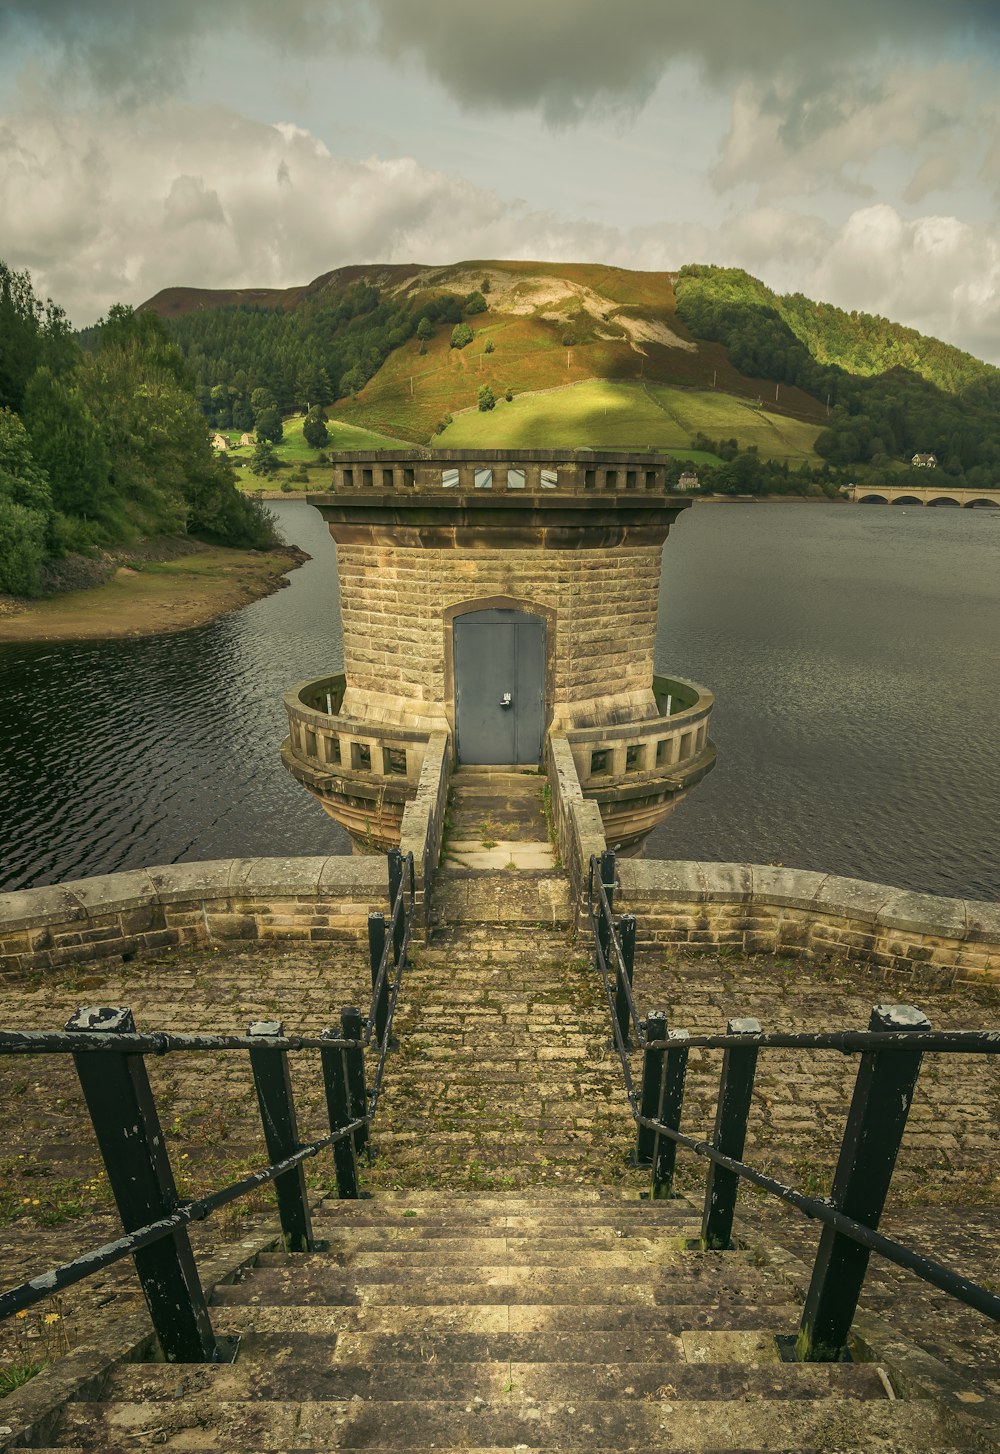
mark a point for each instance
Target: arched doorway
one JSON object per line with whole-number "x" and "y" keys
{"x": 499, "y": 686}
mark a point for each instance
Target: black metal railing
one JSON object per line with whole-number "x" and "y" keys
{"x": 891, "y": 1050}
{"x": 109, "y": 1056}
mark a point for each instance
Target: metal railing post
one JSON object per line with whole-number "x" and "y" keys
{"x": 607, "y": 870}
{"x": 127, "y": 1126}
{"x": 673, "y": 1069}
{"x": 376, "y": 948}
{"x": 277, "y": 1114}
{"x": 354, "y": 1056}
{"x": 395, "y": 884}
{"x": 735, "y": 1094}
{"x": 652, "y": 1061}
{"x": 338, "y": 1105}
{"x": 875, "y": 1124}
{"x": 626, "y": 938}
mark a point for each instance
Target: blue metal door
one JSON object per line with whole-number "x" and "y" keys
{"x": 499, "y": 686}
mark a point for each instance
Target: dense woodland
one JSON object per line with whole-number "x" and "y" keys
{"x": 892, "y": 392}
{"x": 245, "y": 358}
{"x": 102, "y": 443}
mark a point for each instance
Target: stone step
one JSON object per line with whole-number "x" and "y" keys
{"x": 301, "y": 1370}
{"x": 415, "y": 1246}
{"x": 500, "y": 1287}
{"x": 195, "y": 1423}
{"x": 412, "y": 1212}
{"x": 890, "y": 1446}
{"x": 432, "y": 1345}
{"x": 769, "y": 1319}
{"x": 496, "y": 1255}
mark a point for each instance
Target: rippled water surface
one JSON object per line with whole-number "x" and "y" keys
{"x": 854, "y": 652}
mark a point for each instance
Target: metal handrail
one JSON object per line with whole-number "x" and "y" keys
{"x": 38, "y": 1288}
{"x": 825, "y": 1325}
{"x": 120, "y": 1100}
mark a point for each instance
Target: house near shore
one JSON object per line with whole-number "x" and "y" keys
{"x": 688, "y": 481}
{"x": 219, "y": 441}
{"x": 924, "y": 461}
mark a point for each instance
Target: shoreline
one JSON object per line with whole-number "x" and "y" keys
{"x": 153, "y": 597}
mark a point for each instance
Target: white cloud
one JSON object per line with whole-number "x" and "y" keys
{"x": 204, "y": 197}
{"x": 791, "y": 138}
{"x": 938, "y": 274}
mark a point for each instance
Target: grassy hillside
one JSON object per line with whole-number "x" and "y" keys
{"x": 600, "y": 413}
{"x": 592, "y": 355}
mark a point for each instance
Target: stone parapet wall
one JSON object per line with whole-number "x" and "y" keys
{"x": 423, "y": 821}
{"x": 578, "y": 825}
{"x": 745, "y": 908}
{"x": 521, "y": 471}
{"x": 222, "y": 902}
{"x": 398, "y": 602}
{"x": 753, "y": 909}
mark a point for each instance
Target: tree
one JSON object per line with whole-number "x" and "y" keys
{"x": 461, "y": 335}
{"x": 264, "y": 461}
{"x": 425, "y": 329}
{"x": 484, "y": 286}
{"x": 489, "y": 346}
{"x": 163, "y": 470}
{"x": 475, "y": 302}
{"x": 66, "y": 442}
{"x": 269, "y": 425}
{"x": 25, "y": 510}
{"x": 31, "y": 334}
{"x": 487, "y": 399}
{"x": 314, "y": 429}
{"x": 261, "y": 399}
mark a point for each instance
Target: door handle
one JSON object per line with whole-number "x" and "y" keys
{"x": 505, "y": 700}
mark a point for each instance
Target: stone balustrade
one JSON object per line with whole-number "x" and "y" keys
{"x": 363, "y": 772}
{"x": 512, "y": 471}
{"x": 638, "y": 771}
{"x": 324, "y": 740}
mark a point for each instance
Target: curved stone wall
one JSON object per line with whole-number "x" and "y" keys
{"x": 751, "y": 908}
{"x": 746, "y": 908}
{"x": 227, "y": 902}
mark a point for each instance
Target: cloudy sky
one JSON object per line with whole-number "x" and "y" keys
{"x": 851, "y": 151}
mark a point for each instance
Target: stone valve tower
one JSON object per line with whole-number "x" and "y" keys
{"x": 497, "y": 600}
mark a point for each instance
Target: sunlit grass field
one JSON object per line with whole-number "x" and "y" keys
{"x": 606, "y": 414}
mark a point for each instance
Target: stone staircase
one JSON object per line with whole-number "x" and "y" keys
{"x": 496, "y": 820}
{"x": 522, "y": 1321}
{"x": 532, "y": 1299}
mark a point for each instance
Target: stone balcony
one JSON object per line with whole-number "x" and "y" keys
{"x": 637, "y": 772}
{"x": 363, "y": 773}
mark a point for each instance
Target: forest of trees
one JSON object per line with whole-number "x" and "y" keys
{"x": 102, "y": 441}
{"x": 892, "y": 392}
{"x": 246, "y": 357}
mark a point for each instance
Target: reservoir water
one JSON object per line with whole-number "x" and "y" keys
{"x": 854, "y": 652}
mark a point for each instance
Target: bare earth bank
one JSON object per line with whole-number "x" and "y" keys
{"x": 152, "y": 591}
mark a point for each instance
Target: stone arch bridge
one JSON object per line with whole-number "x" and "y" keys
{"x": 923, "y": 495}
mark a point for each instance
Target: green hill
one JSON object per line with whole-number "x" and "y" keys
{"x": 603, "y": 413}
{"x": 592, "y": 355}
